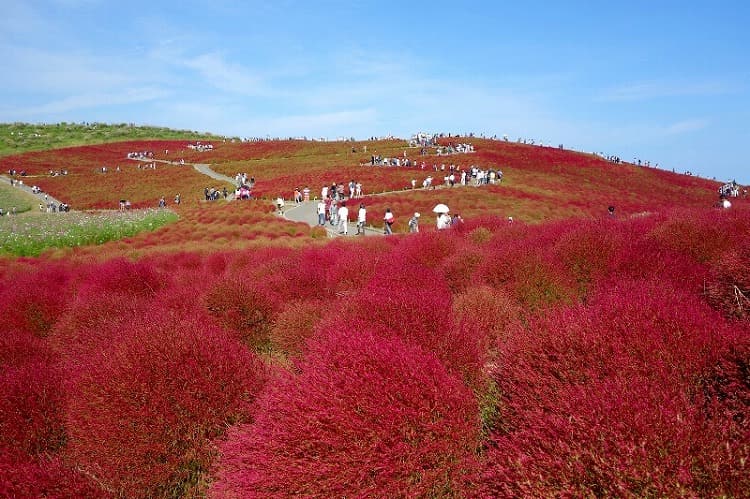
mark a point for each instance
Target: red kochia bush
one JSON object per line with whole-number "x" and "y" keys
{"x": 244, "y": 307}
{"x": 367, "y": 417}
{"x": 412, "y": 302}
{"x": 620, "y": 436}
{"x": 141, "y": 413}
{"x": 604, "y": 399}
{"x": 33, "y": 300}
{"x": 31, "y": 406}
{"x": 728, "y": 288}
{"x": 295, "y": 324}
{"x": 21, "y": 476}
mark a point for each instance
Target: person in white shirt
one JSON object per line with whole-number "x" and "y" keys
{"x": 343, "y": 214}
{"x": 321, "y": 212}
{"x": 389, "y": 219}
{"x": 443, "y": 221}
{"x": 361, "y": 219}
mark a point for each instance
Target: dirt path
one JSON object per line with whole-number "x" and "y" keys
{"x": 307, "y": 212}
{"x": 203, "y": 168}
{"x": 206, "y": 170}
{"x": 42, "y": 197}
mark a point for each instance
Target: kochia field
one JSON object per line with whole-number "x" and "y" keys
{"x": 236, "y": 354}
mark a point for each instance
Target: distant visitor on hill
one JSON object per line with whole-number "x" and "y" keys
{"x": 611, "y": 211}
{"x": 443, "y": 221}
{"x": 388, "y": 219}
{"x": 321, "y": 212}
{"x": 414, "y": 223}
{"x": 343, "y": 219}
{"x": 361, "y": 219}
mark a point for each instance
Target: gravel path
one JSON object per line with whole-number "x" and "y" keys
{"x": 308, "y": 213}
{"x": 206, "y": 170}
{"x": 27, "y": 188}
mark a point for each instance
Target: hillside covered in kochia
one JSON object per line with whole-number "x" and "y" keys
{"x": 539, "y": 183}
{"x": 235, "y": 354}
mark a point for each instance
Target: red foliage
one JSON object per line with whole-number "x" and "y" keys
{"x": 295, "y": 324}
{"x": 412, "y": 302}
{"x": 109, "y": 295}
{"x": 601, "y": 400}
{"x": 21, "y": 476}
{"x": 619, "y": 436}
{"x": 367, "y": 416}
{"x": 242, "y": 305}
{"x": 728, "y": 287}
{"x": 141, "y": 413}
{"x": 489, "y": 314}
{"x": 726, "y": 388}
{"x": 32, "y": 299}
{"x": 521, "y": 261}
{"x": 31, "y": 408}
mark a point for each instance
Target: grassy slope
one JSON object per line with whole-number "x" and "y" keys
{"x": 10, "y": 197}
{"x": 23, "y": 137}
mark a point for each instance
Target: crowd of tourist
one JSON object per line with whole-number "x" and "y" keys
{"x": 200, "y": 147}
{"x": 52, "y": 207}
{"x": 141, "y": 155}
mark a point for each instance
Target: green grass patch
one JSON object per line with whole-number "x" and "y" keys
{"x": 23, "y": 137}
{"x": 29, "y": 235}
{"x": 11, "y": 196}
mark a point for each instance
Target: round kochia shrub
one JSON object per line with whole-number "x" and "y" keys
{"x": 141, "y": 412}
{"x": 366, "y": 416}
{"x": 33, "y": 299}
{"x": 24, "y": 476}
{"x": 243, "y": 307}
{"x": 728, "y": 288}
{"x": 31, "y": 416}
{"x": 605, "y": 400}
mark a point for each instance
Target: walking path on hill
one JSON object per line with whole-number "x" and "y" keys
{"x": 206, "y": 170}
{"x": 203, "y": 168}
{"x": 42, "y": 197}
{"x": 307, "y": 212}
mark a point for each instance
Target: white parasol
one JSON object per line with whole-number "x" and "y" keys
{"x": 441, "y": 208}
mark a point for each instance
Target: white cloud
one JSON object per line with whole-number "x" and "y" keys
{"x": 685, "y": 126}
{"x": 226, "y": 76}
{"x": 35, "y": 70}
{"x": 649, "y": 90}
{"x": 90, "y": 100}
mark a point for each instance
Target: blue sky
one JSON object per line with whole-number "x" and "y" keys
{"x": 666, "y": 82}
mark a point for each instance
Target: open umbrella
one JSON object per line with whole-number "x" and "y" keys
{"x": 441, "y": 208}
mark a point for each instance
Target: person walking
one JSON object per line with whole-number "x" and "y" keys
{"x": 321, "y": 212}
{"x": 389, "y": 219}
{"x": 361, "y": 219}
{"x": 443, "y": 221}
{"x": 343, "y": 214}
{"x": 414, "y": 223}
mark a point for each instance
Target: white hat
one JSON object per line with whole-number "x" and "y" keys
{"x": 416, "y": 214}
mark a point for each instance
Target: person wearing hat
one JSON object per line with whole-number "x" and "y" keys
{"x": 414, "y": 223}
